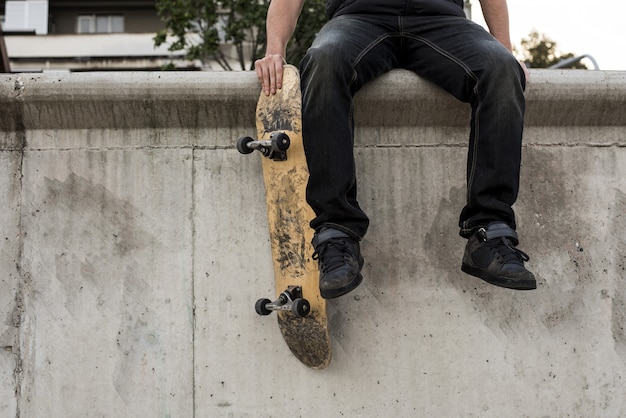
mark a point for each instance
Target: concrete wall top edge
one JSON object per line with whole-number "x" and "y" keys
{"x": 131, "y": 100}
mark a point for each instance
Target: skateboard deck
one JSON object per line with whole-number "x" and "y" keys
{"x": 300, "y": 309}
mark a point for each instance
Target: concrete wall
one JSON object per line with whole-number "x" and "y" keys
{"x": 134, "y": 244}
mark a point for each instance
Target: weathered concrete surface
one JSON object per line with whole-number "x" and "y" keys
{"x": 10, "y": 161}
{"x": 134, "y": 244}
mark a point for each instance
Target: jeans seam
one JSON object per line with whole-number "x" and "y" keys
{"x": 365, "y": 50}
{"x": 470, "y": 179}
{"x": 469, "y": 72}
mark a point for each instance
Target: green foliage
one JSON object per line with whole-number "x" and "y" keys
{"x": 205, "y": 28}
{"x": 311, "y": 20}
{"x": 201, "y": 27}
{"x": 539, "y": 51}
{"x": 245, "y": 22}
{"x": 180, "y": 21}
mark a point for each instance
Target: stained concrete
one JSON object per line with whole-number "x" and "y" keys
{"x": 134, "y": 244}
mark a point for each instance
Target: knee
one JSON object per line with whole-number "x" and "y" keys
{"x": 503, "y": 69}
{"x": 325, "y": 61}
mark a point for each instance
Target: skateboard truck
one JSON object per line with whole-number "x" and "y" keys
{"x": 274, "y": 148}
{"x": 290, "y": 300}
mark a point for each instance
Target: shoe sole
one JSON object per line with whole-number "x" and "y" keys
{"x": 522, "y": 284}
{"x": 335, "y": 293}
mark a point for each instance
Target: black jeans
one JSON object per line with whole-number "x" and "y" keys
{"x": 452, "y": 52}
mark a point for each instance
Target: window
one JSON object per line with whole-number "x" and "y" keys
{"x": 26, "y": 16}
{"x": 100, "y": 24}
{"x": 84, "y": 24}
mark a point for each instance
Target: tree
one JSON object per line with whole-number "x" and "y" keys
{"x": 202, "y": 28}
{"x": 539, "y": 51}
{"x": 311, "y": 20}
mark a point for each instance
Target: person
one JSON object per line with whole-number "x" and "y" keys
{"x": 433, "y": 38}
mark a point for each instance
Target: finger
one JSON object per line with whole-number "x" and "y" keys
{"x": 272, "y": 78}
{"x": 266, "y": 80}
{"x": 262, "y": 74}
{"x": 259, "y": 70}
{"x": 279, "y": 74}
{"x": 525, "y": 69}
{"x": 527, "y": 74}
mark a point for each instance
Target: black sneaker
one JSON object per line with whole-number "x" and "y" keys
{"x": 490, "y": 254}
{"x": 340, "y": 262}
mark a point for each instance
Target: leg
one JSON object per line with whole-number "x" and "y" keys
{"x": 348, "y": 52}
{"x": 468, "y": 62}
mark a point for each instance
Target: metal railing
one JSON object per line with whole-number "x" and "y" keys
{"x": 574, "y": 60}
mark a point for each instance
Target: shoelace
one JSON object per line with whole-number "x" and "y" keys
{"x": 331, "y": 253}
{"x": 509, "y": 253}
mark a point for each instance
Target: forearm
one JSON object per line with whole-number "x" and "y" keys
{"x": 496, "y": 14}
{"x": 282, "y": 17}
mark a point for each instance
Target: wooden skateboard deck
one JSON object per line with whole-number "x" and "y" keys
{"x": 300, "y": 309}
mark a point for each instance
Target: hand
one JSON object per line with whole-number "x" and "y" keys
{"x": 269, "y": 71}
{"x": 526, "y": 72}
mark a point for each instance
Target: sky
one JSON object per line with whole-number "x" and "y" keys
{"x": 581, "y": 27}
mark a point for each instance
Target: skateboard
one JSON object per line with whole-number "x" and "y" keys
{"x": 300, "y": 309}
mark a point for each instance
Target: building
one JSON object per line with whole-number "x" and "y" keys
{"x": 5, "y": 67}
{"x": 83, "y": 35}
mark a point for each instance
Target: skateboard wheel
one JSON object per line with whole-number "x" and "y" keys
{"x": 281, "y": 141}
{"x": 301, "y": 307}
{"x": 260, "y": 307}
{"x": 242, "y": 145}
